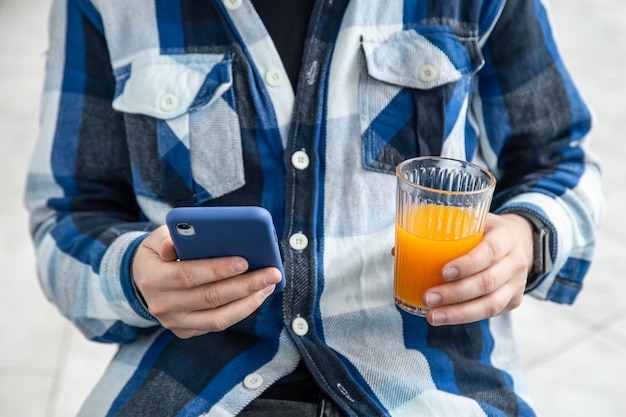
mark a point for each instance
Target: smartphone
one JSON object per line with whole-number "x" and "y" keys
{"x": 212, "y": 232}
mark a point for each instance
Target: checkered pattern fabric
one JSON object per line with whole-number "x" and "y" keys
{"x": 151, "y": 104}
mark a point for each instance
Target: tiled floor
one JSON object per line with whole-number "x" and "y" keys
{"x": 574, "y": 356}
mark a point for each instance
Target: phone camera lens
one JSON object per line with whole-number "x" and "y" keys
{"x": 185, "y": 229}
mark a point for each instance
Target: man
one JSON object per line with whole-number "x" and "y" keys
{"x": 152, "y": 105}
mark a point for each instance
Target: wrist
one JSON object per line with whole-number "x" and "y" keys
{"x": 133, "y": 294}
{"x": 542, "y": 246}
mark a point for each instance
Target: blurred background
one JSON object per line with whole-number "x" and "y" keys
{"x": 573, "y": 356}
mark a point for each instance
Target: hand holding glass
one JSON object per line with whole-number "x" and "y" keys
{"x": 441, "y": 209}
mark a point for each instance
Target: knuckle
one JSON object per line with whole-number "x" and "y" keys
{"x": 516, "y": 301}
{"x": 492, "y": 251}
{"x": 493, "y": 308}
{"x": 488, "y": 282}
{"x": 521, "y": 264}
{"x": 168, "y": 323}
{"x": 184, "y": 277}
{"x": 213, "y": 297}
{"x": 218, "y": 324}
{"x": 159, "y": 310}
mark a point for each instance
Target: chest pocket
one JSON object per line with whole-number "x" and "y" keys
{"x": 182, "y": 127}
{"x": 413, "y": 89}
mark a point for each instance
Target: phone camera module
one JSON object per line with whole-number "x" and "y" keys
{"x": 185, "y": 229}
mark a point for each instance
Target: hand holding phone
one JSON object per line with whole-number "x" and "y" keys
{"x": 213, "y": 232}
{"x": 203, "y": 296}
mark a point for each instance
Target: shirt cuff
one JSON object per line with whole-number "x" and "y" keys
{"x": 117, "y": 281}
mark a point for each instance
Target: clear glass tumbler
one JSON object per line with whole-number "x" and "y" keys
{"x": 441, "y": 209}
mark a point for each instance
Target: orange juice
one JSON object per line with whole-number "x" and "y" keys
{"x": 432, "y": 236}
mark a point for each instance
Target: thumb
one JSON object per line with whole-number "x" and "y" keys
{"x": 161, "y": 243}
{"x": 167, "y": 250}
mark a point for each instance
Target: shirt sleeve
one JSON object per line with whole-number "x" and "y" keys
{"x": 535, "y": 134}
{"x": 84, "y": 219}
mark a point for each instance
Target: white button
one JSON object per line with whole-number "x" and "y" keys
{"x": 168, "y": 102}
{"x": 232, "y": 4}
{"x": 298, "y": 241}
{"x": 300, "y": 326}
{"x": 300, "y": 160}
{"x": 427, "y": 73}
{"x": 253, "y": 381}
{"x": 274, "y": 77}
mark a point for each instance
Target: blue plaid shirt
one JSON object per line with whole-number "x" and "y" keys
{"x": 154, "y": 104}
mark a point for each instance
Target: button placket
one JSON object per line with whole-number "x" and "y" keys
{"x": 300, "y": 326}
{"x": 300, "y": 160}
{"x": 301, "y": 194}
{"x": 298, "y": 241}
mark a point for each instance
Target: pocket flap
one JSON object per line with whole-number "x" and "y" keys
{"x": 421, "y": 58}
{"x": 167, "y": 86}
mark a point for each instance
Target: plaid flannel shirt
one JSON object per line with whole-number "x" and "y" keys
{"x": 154, "y": 104}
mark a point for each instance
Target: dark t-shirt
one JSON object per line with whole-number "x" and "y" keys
{"x": 287, "y": 21}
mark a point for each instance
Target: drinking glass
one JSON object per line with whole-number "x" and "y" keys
{"x": 441, "y": 209}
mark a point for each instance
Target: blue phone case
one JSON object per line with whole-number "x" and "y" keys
{"x": 211, "y": 232}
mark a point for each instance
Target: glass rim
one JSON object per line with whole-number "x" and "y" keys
{"x": 485, "y": 171}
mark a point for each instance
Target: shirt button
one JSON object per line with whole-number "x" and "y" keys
{"x": 253, "y": 381}
{"x": 300, "y": 160}
{"x": 168, "y": 102}
{"x": 274, "y": 77}
{"x": 427, "y": 73}
{"x": 300, "y": 326}
{"x": 232, "y": 4}
{"x": 298, "y": 241}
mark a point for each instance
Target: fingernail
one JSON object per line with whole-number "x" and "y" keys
{"x": 450, "y": 273}
{"x": 438, "y": 317}
{"x": 271, "y": 279}
{"x": 239, "y": 266}
{"x": 268, "y": 290}
{"x": 433, "y": 299}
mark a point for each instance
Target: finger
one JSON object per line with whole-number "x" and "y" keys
{"x": 166, "y": 284}
{"x": 148, "y": 268}
{"x": 161, "y": 242}
{"x": 502, "y": 301}
{"x": 199, "y": 322}
{"x": 482, "y": 283}
{"x": 197, "y": 272}
{"x": 171, "y": 307}
{"x": 226, "y": 291}
{"x": 476, "y": 260}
